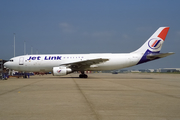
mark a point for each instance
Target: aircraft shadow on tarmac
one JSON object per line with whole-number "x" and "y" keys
{"x": 94, "y": 77}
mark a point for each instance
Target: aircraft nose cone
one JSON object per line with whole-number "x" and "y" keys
{"x": 6, "y": 64}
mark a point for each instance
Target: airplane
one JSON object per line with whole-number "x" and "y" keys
{"x": 63, "y": 64}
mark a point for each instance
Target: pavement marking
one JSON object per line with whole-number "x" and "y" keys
{"x": 20, "y": 87}
{"x": 88, "y": 102}
{"x": 152, "y": 91}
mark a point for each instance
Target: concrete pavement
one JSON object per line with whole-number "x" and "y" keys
{"x": 102, "y": 96}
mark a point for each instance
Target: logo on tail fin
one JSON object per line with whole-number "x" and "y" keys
{"x": 155, "y": 43}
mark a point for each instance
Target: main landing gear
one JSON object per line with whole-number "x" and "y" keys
{"x": 82, "y": 75}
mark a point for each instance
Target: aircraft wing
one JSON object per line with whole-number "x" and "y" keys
{"x": 158, "y": 55}
{"x": 81, "y": 65}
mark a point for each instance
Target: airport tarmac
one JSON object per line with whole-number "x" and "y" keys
{"x": 103, "y": 96}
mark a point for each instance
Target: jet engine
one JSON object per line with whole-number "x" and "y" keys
{"x": 60, "y": 71}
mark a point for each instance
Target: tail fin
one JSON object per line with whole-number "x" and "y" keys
{"x": 151, "y": 48}
{"x": 154, "y": 43}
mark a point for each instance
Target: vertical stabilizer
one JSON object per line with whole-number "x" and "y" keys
{"x": 155, "y": 42}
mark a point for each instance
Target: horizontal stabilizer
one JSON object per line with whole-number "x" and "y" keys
{"x": 158, "y": 55}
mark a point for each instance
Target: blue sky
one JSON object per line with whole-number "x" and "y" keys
{"x": 94, "y": 26}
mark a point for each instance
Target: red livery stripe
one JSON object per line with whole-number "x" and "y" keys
{"x": 154, "y": 43}
{"x": 163, "y": 33}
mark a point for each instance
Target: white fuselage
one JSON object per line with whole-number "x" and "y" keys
{"x": 62, "y": 64}
{"x": 45, "y": 63}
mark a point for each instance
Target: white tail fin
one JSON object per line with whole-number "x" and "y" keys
{"x": 151, "y": 48}
{"x": 154, "y": 43}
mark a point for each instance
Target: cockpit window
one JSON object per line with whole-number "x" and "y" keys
{"x": 11, "y": 60}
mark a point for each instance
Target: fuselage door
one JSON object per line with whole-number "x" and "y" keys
{"x": 21, "y": 61}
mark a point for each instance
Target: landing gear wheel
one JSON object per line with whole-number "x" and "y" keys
{"x": 83, "y": 76}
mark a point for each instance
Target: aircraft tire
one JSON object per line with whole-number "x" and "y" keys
{"x": 83, "y": 76}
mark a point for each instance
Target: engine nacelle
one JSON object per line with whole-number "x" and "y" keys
{"x": 60, "y": 71}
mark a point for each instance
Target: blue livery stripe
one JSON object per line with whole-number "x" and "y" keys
{"x": 157, "y": 43}
{"x": 144, "y": 57}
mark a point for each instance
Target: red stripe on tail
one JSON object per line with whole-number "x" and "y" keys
{"x": 154, "y": 43}
{"x": 163, "y": 33}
